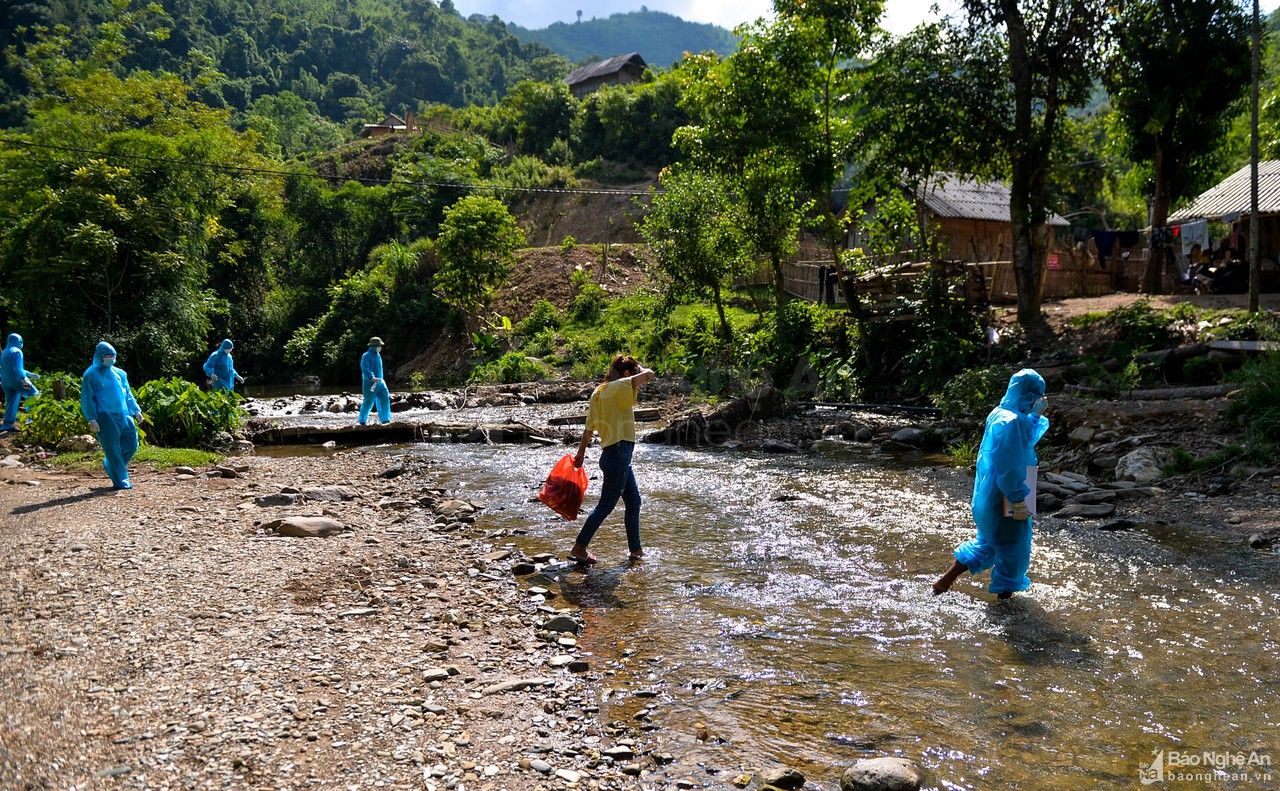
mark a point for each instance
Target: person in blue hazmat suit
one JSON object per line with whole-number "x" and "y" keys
{"x": 221, "y": 369}
{"x": 1002, "y": 496}
{"x": 373, "y": 385}
{"x": 15, "y": 380}
{"x": 107, "y": 402}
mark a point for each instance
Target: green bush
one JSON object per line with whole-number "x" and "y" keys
{"x": 974, "y": 393}
{"x": 543, "y": 315}
{"x": 567, "y": 244}
{"x": 542, "y": 344}
{"x": 590, "y": 300}
{"x": 511, "y": 368}
{"x": 1111, "y": 384}
{"x": 920, "y": 342}
{"x": 179, "y": 414}
{"x": 1257, "y": 404}
{"x": 1140, "y": 327}
{"x": 1199, "y": 370}
{"x": 590, "y": 368}
{"x": 49, "y": 420}
{"x": 1247, "y": 327}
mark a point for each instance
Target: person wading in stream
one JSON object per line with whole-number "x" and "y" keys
{"x": 1004, "y": 490}
{"x": 612, "y": 415}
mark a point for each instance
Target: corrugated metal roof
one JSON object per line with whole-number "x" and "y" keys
{"x": 957, "y": 197}
{"x": 1231, "y": 195}
{"x": 604, "y": 67}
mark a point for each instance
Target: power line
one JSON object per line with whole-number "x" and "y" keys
{"x": 303, "y": 174}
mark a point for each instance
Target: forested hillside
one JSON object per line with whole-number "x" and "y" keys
{"x": 352, "y": 58}
{"x": 173, "y": 175}
{"x": 660, "y": 38}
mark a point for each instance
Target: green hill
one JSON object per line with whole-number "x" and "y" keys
{"x": 660, "y": 38}
{"x": 353, "y": 59}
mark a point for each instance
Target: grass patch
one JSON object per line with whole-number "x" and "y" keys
{"x": 1087, "y": 319}
{"x": 1185, "y": 463}
{"x": 156, "y": 458}
{"x": 964, "y": 453}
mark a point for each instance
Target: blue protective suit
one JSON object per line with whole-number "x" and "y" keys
{"x": 1008, "y": 448}
{"x": 15, "y": 381}
{"x": 370, "y": 369}
{"x": 221, "y": 368}
{"x": 105, "y": 396}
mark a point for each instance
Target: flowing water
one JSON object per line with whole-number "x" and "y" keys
{"x": 785, "y": 608}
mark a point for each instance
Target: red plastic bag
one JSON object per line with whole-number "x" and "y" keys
{"x": 565, "y": 488}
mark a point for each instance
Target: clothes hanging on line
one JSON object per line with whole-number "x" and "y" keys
{"x": 1128, "y": 238}
{"x": 1194, "y": 233}
{"x": 1105, "y": 241}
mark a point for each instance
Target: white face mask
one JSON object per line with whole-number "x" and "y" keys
{"x": 1039, "y": 406}
{"x": 110, "y": 359}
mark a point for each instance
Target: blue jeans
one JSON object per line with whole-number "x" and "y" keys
{"x": 619, "y": 481}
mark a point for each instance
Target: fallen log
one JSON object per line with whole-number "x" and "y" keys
{"x": 1163, "y": 394}
{"x": 885, "y": 409}
{"x": 1245, "y": 346}
{"x": 1171, "y": 357}
{"x": 696, "y": 428}
{"x": 265, "y": 432}
{"x": 642, "y": 416}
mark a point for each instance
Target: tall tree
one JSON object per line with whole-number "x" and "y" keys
{"x": 731, "y": 138}
{"x": 1052, "y": 56}
{"x": 819, "y": 42}
{"x": 477, "y": 243}
{"x": 929, "y": 100}
{"x": 694, "y": 228}
{"x": 111, "y": 202}
{"x": 1176, "y": 75}
{"x": 789, "y": 96}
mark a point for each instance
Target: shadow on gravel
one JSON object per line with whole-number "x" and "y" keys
{"x": 61, "y": 501}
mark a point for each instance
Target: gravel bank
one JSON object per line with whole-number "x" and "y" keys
{"x": 164, "y": 638}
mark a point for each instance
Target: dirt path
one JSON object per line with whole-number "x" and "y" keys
{"x": 161, "y": 638}
{"x": 1058, "y": 311}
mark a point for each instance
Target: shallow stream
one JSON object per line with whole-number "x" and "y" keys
{"x": 785, "y": 607}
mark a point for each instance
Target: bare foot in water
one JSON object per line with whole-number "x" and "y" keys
{"x": 581, "y": 555}
{"x": 945, "y": 582}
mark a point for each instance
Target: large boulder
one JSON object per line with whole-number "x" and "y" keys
{"x": 881, "y": 774}
{"x": 305, "y": 526}
{"x": 78, "y": 444}
{"x": 1144, "y": 465}
{"x": 783, "y": 777}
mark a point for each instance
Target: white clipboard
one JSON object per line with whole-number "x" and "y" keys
{"x": 1030, "y": 502}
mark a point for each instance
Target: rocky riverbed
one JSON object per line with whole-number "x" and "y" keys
{"x": 175, "y": 637}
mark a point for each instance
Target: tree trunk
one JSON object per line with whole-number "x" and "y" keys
{"x": 1026, "y": 207}
{"x": 725, "y": 330}
{"x": 1029, "y": 246}
{"x": 779, "y": 292}
{"x": 1153, "y": 272}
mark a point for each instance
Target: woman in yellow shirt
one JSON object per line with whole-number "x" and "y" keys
{"x": 612, "y": 416}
